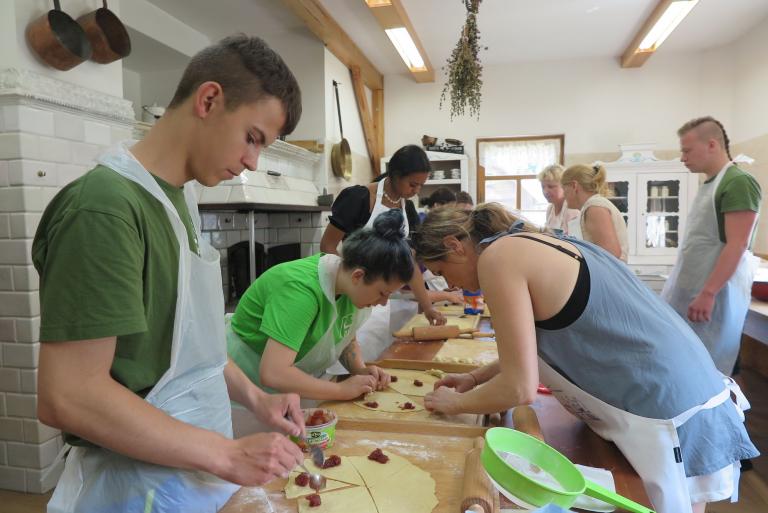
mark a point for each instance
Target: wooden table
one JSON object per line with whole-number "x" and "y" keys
{"x": 561, "y": 430}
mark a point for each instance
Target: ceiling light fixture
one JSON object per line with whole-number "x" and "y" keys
{"x": 394, "y": 20}
{"x": 663, "y": 20}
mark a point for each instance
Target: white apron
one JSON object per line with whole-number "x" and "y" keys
{"x": 192, "y": 390}
{"x": 574, "y": 228}
{"x": 696, "y": 259}
{"x": 326, "y": 351}
{"x": 650, "y": 445}
{"x": 375, "y": 336}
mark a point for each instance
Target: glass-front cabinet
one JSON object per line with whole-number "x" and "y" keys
{"x": 653, "y": 197}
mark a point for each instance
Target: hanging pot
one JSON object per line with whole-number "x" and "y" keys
{"x": 107, "y": 34}
{"x": 58, "y": 39}
{"x": 341, "y": 156}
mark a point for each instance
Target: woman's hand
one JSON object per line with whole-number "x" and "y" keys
{"x": 443, "y": 400}
{"x": 434, "y": 317}
{"x": 355, "y": 386}
{"x": 461, "y": 382}
{"x": 381, "y": 377}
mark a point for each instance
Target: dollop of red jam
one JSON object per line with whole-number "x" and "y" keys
{"x": 314, "y": 500}
{"x": 332, "y": 461}
{"x": 393, "y": 379}
{"x": 418, "y": 383}
{"x": 302, "y": 479}
{"x": 317, "y": 418}
{"x": 407, "y": 406}
{"x": 371, "y": 404}
{"x": 379, "y": 456}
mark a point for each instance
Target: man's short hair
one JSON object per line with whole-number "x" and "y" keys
{"x": 247, "y": 70}
{"x": 708, "y": 128}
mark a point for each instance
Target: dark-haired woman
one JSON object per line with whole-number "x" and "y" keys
{"x": 300, "y": 317}
{"x": 359, "y": 205}
{"x": 569, "y": 315}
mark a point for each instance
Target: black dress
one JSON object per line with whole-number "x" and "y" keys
{"x": 352, "y": 209}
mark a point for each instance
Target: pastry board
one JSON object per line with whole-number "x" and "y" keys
{"x": 467, "y": 351}
{"x": 422, "y": 421}
{"x": 463, "y": 322}
{"x": 442, "y": 455}
{"x": 453, "y": 311}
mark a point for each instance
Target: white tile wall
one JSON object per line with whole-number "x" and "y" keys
{"x": 41, "y": 150}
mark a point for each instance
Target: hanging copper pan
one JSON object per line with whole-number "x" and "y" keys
{"x": 58, "y": 40}
{"x": 341, "y": 156}
{"x": 107, "y": 34}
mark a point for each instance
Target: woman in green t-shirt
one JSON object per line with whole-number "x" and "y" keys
{"x": 300, "y": 317}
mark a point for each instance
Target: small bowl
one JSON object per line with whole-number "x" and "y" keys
{"x": 321, "y": 435}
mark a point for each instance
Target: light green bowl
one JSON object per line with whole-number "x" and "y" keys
{"x": 549, "y": 460}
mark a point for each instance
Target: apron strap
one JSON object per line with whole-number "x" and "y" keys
{"x": 713, "y": 402}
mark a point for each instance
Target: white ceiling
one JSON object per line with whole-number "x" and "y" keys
{"x": 513, "y": 30}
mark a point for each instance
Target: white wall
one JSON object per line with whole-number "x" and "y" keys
{"x": 15, "y": 53}
{"x": 305, "y": 55}
{"x": 594, "y": 102}
{"x": 132, "y": 90}
{"x": 350, "y": 118}
{"x": 749, "y": 78}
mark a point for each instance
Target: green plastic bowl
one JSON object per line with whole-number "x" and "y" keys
{"x": 533, "y": 492}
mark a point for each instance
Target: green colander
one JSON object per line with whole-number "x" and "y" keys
{"x": 538, "y": 453}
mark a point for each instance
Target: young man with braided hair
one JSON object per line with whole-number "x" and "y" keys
{"x": 710, "y": 285}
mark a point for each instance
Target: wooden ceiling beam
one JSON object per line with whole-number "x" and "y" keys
{"x": 365, "y": 117}
{"x": 391, "y": 14}
{"x": 322, "y": 25}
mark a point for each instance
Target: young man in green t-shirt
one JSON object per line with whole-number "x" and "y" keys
{"x": 133, "y": 363}
{"x": 711, "y": 281}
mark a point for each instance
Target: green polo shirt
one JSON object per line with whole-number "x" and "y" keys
{"x": 108, "y": 263}
{"x": 738, "y": 191}
{"x": 287, "y": 304}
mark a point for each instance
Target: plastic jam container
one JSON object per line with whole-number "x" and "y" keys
{"x": 321, "y": 434}
{"x": 473, "y": 302}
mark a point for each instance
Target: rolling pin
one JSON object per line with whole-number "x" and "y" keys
{"x": 524, "y": 419}
{"x": 477, "y": 491}
{"x": 438, "y": 332}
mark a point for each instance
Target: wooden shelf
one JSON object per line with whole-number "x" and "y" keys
{"x": 450, "y": 181}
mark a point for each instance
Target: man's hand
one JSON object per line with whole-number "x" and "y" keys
{"x": 355, "y": 386}
{"x": 700, "y": 309}
{"x": 382, "y": 378}
{"x": 442, "y": 400}
{"x": 257, "y": 459}
{"x": 282, "y": 412}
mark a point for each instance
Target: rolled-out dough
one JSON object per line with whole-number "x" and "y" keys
{"x": 397, "y": 486}
{"x": 355, "y": 499}
{"x": 405, "y": 378}
{"x": 388, "y": 401}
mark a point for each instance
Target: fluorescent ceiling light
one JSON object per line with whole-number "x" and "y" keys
{"x": 671, "y": 18}
{"x": 405, "y": 46}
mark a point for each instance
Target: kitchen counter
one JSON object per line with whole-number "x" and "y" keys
{"x": 561, "y": 430}
{"x": 756, "y": 323}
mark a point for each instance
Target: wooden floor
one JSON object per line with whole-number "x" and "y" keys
{"x": 753, "y": 488}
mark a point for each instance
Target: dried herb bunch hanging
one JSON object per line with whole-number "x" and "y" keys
{"x": 464, "y": 68}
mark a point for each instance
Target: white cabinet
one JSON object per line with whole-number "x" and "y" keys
{"x": 654, "y": 196}
{"x": 444, "y": 165}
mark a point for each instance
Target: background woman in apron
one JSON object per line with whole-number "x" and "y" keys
{"x": 558, "y": 212}
{"x": 300, "y": 317}
{"x": 599, "y": 221}
{"x": 358, "y": 206}
{"x": 613, "y": 353}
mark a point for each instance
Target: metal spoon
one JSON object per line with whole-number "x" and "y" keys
{"x": 316, "y": 481}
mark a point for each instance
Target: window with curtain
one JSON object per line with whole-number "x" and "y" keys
{"x": 507, "y": 169}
